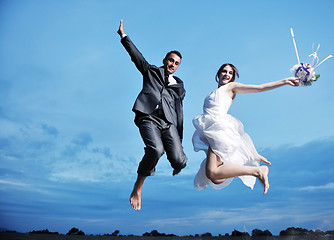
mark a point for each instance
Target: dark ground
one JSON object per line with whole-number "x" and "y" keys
{"x": 30, "y": 236}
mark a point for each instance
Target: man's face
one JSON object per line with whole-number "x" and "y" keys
{"x": 172, "y": 63}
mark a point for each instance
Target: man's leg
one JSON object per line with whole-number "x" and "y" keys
{"x": 174, "y": 149}
{"x": 135, "y": 198}
{"x": 150, "y": 132}
{"x": 151, "y": 135}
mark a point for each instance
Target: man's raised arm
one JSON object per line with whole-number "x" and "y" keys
{"x": 136, "y": 56}
{"x": 120, "y": 30}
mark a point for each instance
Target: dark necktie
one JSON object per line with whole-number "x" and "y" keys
{"x": 166, "y": 80}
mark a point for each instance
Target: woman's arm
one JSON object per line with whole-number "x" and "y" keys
{"x": 243, "y": 88}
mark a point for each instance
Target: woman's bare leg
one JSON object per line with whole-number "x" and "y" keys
{"x": 218, "y": 172}
{"x": 212, "y": 164}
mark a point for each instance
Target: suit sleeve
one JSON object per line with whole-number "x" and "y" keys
{"x": 136, "y": 57}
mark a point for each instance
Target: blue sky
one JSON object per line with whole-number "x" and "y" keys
{"x": 69, "y": 149}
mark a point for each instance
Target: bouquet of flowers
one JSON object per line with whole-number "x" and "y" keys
{"x": 306, "y": 71}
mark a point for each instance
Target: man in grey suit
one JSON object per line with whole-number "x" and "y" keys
{"x": 159, "y": 114}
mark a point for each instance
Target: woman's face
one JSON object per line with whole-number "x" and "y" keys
{"x": 226, "y": 75}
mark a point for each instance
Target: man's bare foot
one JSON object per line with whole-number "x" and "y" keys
{"x": 176, "y": 171}
{"x": 263, "y": 177}
{"x": 135, "y": 199}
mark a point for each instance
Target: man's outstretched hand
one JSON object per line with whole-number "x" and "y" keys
{"x": 120, "y": 30}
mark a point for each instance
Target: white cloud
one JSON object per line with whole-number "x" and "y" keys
{"x": 23, "y": 186}
{"x": 184, "y": 221}
{"x": 237, "y": 215}
{"x": 49, "y": 130}
{"x": 63, "y": 156}
{"x": 13, "y": 183}
{"x": 90, "y": 165}
{"x": 328, "y": 186}
{"x": 254, "y": 217}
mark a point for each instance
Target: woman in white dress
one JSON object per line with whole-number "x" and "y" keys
{"x": 230, "y": 151}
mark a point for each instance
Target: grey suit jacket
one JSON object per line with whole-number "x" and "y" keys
{"x": 155, "y": 90}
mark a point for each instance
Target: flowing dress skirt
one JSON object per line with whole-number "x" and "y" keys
{"x": 226, "y": 137}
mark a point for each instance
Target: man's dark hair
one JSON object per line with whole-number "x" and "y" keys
{"x": 169, "y": 53}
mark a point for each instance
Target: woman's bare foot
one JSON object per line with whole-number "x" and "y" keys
{"x": 135, "y": 199}
{"x": 264, "y": 160}
{"x": 263, "y": 177}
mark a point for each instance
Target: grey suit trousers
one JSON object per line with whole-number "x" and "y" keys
{"x": 159, "y": 136}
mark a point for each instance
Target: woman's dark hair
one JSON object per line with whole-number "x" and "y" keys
{"x": 235, "y": 71}
{"x": 169, "y": 53}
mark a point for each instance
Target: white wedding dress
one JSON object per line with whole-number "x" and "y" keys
{"x": 226, "y": 137}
